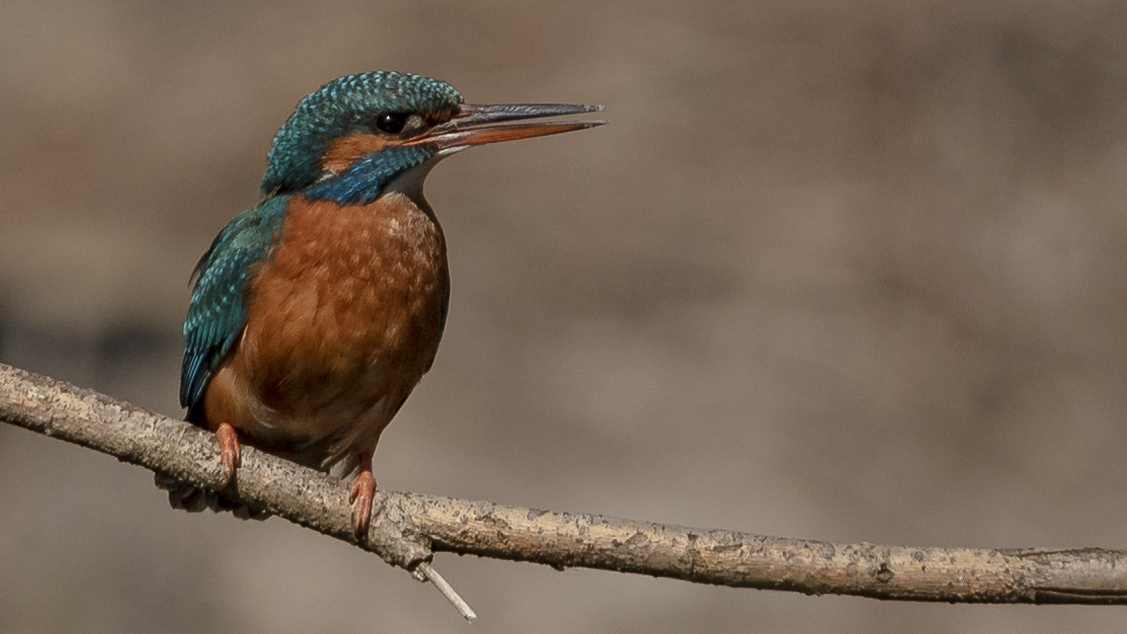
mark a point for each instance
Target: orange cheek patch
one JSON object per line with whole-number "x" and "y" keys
{"x": 344, "y": 151}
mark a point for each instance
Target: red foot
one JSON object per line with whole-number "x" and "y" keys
{"x": 230, "y": 453}
{"x": 360, "y": 495}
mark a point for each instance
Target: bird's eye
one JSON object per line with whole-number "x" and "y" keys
{"x": 391, "y": 122}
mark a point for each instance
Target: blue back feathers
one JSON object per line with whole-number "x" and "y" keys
{"x": 341, "y": 107}
{"x": 215, "y": 316}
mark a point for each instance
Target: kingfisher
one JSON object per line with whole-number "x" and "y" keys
{"x": 315, "y": 313}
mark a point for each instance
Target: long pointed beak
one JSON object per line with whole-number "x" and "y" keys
{"x": 478, "y": 125}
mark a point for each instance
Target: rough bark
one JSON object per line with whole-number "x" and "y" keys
{"x": 409, "y": 526}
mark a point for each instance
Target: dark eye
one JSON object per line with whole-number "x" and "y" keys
{"x": 391, "y": 122}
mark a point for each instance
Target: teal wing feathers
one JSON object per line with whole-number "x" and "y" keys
{"x": 218, "y": 307}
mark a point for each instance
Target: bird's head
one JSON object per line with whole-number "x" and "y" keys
{"x": 355, "y": 136}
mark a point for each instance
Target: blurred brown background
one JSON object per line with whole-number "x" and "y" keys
{"x": 840, "y": 270}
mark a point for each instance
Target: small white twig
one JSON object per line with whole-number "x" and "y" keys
{"x": 425, "y": 572}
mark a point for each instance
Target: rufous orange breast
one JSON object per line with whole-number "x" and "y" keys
{"x": 342, "y": 322}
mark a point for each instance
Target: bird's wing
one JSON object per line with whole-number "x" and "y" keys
{"x": 218, "y": 307}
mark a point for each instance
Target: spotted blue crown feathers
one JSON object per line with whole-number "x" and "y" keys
{"x": 342, "y": 106}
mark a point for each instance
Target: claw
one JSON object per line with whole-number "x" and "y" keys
{"x": 230, "y": 453}
{"x": 360, "y": 496}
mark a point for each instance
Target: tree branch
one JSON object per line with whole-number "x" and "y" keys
{"x": 409, "y": 526}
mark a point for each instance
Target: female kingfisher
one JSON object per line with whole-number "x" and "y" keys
{"x": 316, "y": 312}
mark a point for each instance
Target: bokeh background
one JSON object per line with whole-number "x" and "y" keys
{"x": 849, "y": 270}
